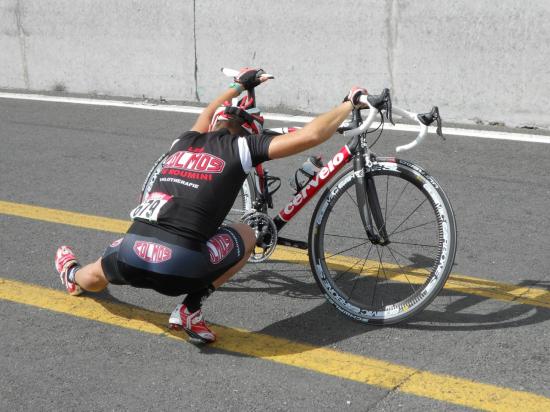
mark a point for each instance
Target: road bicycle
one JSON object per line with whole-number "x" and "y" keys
{"x": 382, "y": 238}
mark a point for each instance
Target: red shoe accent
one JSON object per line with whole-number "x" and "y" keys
{"x": 65, "y": 259}
{"x": 192, "y": 323}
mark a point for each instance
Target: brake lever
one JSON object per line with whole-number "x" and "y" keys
{"x": 388, "y": 105}
{"x": 382, "y": 102}
{"x": 428, "y": 118}
{"x": 439, "y": 121}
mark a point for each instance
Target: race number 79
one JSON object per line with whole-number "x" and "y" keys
{"x": 149, "y": 209}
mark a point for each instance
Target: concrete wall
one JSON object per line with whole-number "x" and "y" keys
{"x": 476, "y": 59}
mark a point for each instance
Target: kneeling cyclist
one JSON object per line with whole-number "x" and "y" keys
{"x": 177, "y": 244}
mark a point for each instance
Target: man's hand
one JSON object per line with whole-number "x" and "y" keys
{"x": 249, "y": 77}
{"x": 354, "y": 95}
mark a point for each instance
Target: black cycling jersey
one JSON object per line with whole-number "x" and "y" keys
{"x": 200, "y": 180}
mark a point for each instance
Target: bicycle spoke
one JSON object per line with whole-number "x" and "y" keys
{"x": 345, "y": 250}
{"x": 407, "y": 257}
{"x": 398, "y": 199}
{"x": 413, "y": 227}
{"x": 401, "y": 269}
{"x": 349, "y": 269}
{"x": 413, "y": 244}
{"x": 357, "y": 278}
{"x": 407, "y": 218}
{"x": 375, "y": 285}
{"x": 352, "y": 199}
{"x": 347, "y": 237}
{"x": 384, "y": 226}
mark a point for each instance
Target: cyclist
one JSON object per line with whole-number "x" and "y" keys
{"x": 176, "y": 245}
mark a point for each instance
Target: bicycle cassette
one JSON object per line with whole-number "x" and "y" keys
{"x": 266, "y": 235}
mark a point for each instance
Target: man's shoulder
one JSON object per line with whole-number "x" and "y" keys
{"x": 188, "y": 134}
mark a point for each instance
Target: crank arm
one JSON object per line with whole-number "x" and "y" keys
{"x": 299, "y": 244}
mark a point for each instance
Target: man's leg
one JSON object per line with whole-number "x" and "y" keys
{"x": 249, "y": 239}
{"x": 75, "y": 278}
{"x": 91, "y": 277}
{"x": 188, "y": 315}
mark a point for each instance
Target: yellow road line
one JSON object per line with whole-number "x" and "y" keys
{"x": 456, "y": 282}
{"x": 64, "y": 217}
{"x": 343, "y": 365}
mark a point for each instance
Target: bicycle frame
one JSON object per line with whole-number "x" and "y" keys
{"x": 367, "y": 198}
{"x": 366, "y": 191}
{"x": 357, "y": 150}
{"x": 300, "y": 199}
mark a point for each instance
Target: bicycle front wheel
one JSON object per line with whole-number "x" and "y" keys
{"x": 383, "y": 284}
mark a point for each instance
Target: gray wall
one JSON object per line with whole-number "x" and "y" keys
{"x": 476, "y": 59}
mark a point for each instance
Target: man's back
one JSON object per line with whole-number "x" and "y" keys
{"x": 199, "y": 182}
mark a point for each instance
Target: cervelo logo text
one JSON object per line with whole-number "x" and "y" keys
{"x": 219, "y": 247}
{"x": 152, "y": 252}
{"x": 315, "y": 184}
{"x": 195, "y": 162}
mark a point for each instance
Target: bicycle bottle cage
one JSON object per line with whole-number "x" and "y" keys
{"x": 381, "y": 102}
{"x": 271, "y": 184}
{"x": 428, "y": 118}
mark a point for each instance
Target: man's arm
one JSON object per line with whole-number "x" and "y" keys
{"x": 314, "y": 133}
{"x": 247, "y": 79}
{"x": 319, "y": 129}
{"x": 203, "y": 121}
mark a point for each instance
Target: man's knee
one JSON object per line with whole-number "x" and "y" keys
{"x": 247, "y": 234}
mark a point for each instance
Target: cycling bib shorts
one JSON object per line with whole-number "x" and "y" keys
{"x": 153, "y": 258}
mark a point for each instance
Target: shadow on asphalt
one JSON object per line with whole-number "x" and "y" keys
{"x": 459, "y": 314}
{"x": 324, "y": 325}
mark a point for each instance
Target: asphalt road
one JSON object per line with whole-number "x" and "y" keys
{"x": 93, "y": 160}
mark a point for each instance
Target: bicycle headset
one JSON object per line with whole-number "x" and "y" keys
{"x": 243, "y": 111}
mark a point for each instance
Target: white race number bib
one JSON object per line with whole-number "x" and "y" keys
{"x": 150, "y": 207}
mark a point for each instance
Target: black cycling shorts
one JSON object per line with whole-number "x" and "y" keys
{"x": 152, "y": 258}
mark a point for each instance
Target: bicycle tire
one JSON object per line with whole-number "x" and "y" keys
{"x": 152, "y": 177}
{"x": 244, "y": 200}
{"x": 372, "y": 290}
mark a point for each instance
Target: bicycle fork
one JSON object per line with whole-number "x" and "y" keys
{"x": 368, "y": 203}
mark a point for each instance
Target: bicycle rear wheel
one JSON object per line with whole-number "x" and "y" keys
{"x": 383, "y": 284}
{"x": 152, "y": 177}
{"x": 243, "y": 202}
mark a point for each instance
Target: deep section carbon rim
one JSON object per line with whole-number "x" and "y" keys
{"x": 384, "y": 284}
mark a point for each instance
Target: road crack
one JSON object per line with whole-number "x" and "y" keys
{"x": 392, "y": 391}
{"x": 195, "y": 50}
{"x": 21, "y": 33}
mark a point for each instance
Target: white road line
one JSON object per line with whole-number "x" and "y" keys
{"x": 484, "y": 134}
